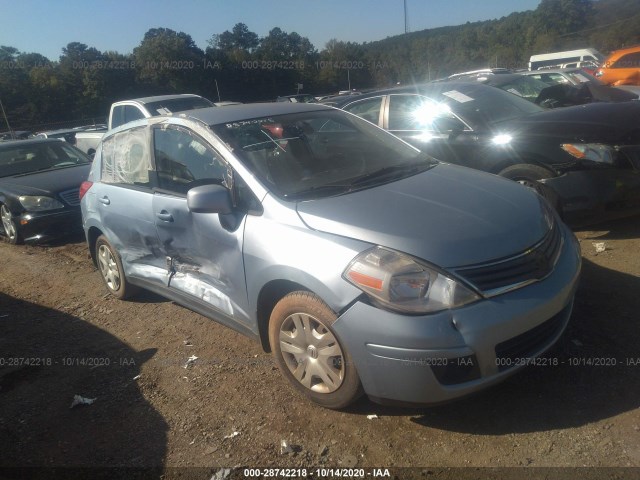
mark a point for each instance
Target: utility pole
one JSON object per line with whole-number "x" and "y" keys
{"x": 406, "y": 25}
{"x": 217, "y": 89}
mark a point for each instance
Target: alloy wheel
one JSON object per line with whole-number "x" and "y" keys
{"x": 109, "y": 268}
{"x": 7, "y": 223}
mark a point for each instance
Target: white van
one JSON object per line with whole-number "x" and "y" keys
{"x": 584, "y": 56}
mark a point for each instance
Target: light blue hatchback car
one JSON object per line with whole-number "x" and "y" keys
{"x": 364, "y": 265}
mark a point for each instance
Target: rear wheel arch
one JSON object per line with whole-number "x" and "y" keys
{"x": 92, "y": 237}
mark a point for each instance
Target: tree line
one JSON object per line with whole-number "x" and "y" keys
{"x": 239, "y": 65}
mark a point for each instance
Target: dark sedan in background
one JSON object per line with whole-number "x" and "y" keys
{"x": 584, "y": 159}
{"x": 553, "y": 95}
{"x": 39, "y": 184}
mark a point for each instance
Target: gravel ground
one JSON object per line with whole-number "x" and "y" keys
{"x": 61, "y": 335}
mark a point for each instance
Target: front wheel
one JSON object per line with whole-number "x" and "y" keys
{"x": 11, "y": 233}
{"x": 110, "y": 267}
{"x": 530, "y": 175}
{"x": 309, "y": 354}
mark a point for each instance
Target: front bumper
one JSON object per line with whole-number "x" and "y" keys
{"x": 439, "y": 357}
{"x": 45, "y": 226}
{"x": 589, "y": 196}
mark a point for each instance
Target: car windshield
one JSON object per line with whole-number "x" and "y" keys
{"x": 162, "y": 107}
{"x": 575, "y": 77}
{"x": 525, "y": 87}
{"x": 480, "y": 105}
{"x": 23, "y": 159}
{"x": 320, "y": 153}
{"x": 580, "y": 76}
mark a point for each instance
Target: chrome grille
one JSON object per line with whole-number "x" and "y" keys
{"x": 71, "y": 197}
{"x": 533, "y": 264}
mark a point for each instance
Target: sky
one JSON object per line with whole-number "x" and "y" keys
{"x": 46, "y": 26}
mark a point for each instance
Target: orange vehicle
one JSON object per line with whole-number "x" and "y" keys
{"x": 622, "y": 67}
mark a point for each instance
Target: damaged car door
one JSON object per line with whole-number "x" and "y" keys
{"x": 123, "y": 199}
{"x": 201, "y": 251}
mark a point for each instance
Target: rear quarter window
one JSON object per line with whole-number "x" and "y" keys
{"x": 126, "y": 159}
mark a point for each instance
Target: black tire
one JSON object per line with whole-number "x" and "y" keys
{"x": 111, "y": 271}
{"x": 315, "y": 362}
{"x": 529, "y": 176}
{"x": 11, "y": 233}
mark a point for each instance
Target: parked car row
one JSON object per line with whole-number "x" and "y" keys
{"x": 362, "y": 263}
{"x": 366, "y": 264}
{"x": 621, "y": 67}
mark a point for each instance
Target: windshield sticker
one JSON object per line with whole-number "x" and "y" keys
{"x": 458, "y": 96}
{"x": 581, "y": 78}
{"x": 515, "y": 92}
{"x": 163, "y": 111}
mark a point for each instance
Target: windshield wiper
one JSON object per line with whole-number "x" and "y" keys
{"x": 320, "y": 191}
{"x": 357, "y": 183}
{"x": 393, "y": 171}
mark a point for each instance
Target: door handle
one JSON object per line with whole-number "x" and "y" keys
{"x": 105, "y": 200}
{"x": 164, "y": 216}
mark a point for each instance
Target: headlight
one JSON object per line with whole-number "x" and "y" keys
{"x": 399, "y": 282}
{"x": 593, "y": 152}
{"x": 39, "y": 204}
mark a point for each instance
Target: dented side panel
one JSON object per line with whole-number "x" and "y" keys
{"x": 203, "y": 255}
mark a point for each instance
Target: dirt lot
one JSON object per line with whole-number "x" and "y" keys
{"x": 233, "y": 408}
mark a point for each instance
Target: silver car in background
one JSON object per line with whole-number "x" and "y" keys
{"x": 364, "y": 265}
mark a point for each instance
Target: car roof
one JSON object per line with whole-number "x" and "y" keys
{"x": 234, "y": 113}
{"x": 298, "y": 95}
{"x": 159, "y": 98}
{"x": 28, "y": 142}
{"x": 417, "y": 89}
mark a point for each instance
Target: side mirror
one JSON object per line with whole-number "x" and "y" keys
{"x": 209, "y": 199}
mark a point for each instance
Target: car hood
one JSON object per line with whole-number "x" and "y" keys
{"x": 47, "y": 182}
{"x": 450, "y": 216}
{"x": 611, "y": 123}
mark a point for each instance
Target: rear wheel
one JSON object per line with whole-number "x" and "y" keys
{"x": 110, "y": 267}
{"x": 530, "y": 175}
{"x": 11, "y": 233}
{"x": 308, "y": 352}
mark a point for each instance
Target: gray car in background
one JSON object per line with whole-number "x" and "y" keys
{"x": 364, "y": 265}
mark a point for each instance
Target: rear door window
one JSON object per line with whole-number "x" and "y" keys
{"x": 369, "y": 109}
{"x": 415, "y": 112}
